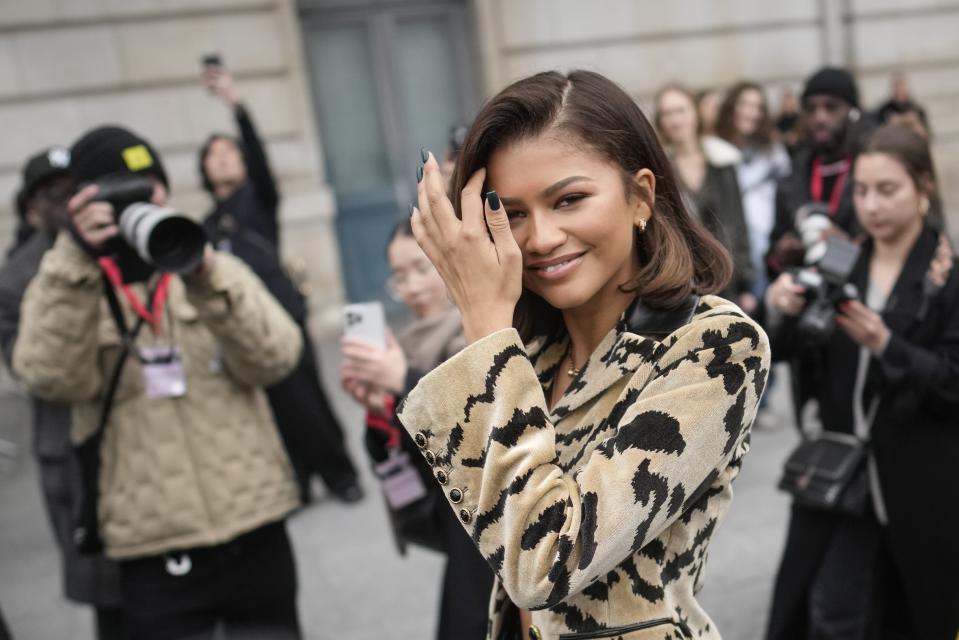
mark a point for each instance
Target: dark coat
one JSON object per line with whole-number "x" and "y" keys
{"x": 93, "y": 580}
{"x": 719, "y": 204}
{"x": 246, "y": 225}
{"x": 915, "y": 442}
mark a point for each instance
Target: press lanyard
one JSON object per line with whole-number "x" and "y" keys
{"x": 154, "y": 314}
{"x": 383, "y": 423}
{"x": 816, "y": 187}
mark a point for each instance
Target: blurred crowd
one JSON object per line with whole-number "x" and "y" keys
{"x": 179, "y": 416}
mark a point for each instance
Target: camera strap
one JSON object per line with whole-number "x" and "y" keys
{"x": 816, "y": 184}
{"x": 85, "y": 534}
{"x": 152, "y": 314}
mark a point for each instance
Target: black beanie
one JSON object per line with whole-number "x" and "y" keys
{"x": 109, "y": 150}
{"x": 832, "y": 81}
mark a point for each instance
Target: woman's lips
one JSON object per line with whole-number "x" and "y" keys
{"x": 557, "y": 269}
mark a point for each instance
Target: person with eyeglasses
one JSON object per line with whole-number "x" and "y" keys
{"x": 378, "y": 379}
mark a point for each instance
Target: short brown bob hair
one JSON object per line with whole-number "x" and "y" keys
{"x": 677, "y": 255}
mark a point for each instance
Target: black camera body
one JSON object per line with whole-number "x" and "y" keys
{"x": 162, "y": 237}
{"x": 827, "y": 286}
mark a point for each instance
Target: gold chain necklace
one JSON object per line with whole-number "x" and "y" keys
{"x": 572, "y": 372}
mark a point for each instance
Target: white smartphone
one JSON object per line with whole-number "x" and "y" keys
{"x": 365, "y": 321}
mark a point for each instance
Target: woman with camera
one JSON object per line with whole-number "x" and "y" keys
{"x": 379, "y": 379}
{"x": 588, "y": 434}
{"x": 880, "y": 560}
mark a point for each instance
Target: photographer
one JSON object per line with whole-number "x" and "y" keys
{"x": 820, "y": 168}
{"x": 42, "y": 206}
{"x": 164, "y": 376}
{"x": 244, "y": 222}
{"x": 869, "y": 559}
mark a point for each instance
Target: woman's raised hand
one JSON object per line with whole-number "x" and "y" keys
{"x": 483, "y": 270}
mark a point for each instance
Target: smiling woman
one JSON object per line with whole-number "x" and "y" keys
{"x": 588, "y": 435}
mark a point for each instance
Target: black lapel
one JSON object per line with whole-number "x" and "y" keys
{"x": 901, "y": 312}
{"x": 644, "y": 320}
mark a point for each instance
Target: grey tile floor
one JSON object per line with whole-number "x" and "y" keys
{"x": 353, "y": 583}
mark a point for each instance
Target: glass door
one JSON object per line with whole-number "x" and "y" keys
{"x": 386, "y": 80}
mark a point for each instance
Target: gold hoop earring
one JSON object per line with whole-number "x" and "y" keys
{"x": 642, "y": 225}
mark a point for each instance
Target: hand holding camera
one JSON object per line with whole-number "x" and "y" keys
{"x": 786, "y": 295}
{"x": 126, "y": 206}
{"x": 864, "y": 326}
{"x": 93, "y": 219}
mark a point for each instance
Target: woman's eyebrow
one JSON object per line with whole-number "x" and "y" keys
{"x": 548, "y": 191}
{"x": 565, "y": 182}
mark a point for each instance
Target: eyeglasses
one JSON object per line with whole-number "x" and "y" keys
{"x": 397, "y": 283}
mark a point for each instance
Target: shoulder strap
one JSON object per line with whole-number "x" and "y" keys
{"x": 127, "y": 337}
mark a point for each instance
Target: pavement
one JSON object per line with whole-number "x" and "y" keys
{"x": 354, "y": 585}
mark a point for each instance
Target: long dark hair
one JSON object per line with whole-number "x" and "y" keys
{"x": 677, "y": 254}
{"x": 762, "y": 138}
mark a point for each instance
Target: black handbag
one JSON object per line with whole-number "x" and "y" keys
{"x": 829, "y": 473}
{"x": 411, "y": 497}
{"x": 411, "y": 503}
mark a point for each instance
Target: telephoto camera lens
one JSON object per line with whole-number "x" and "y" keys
{"x": 163, "y": 237}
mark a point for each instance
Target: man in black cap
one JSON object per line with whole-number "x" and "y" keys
{"x": 822, "y": 167}
{"x": 41, "y": 200}
{"x": 42, "y": 206}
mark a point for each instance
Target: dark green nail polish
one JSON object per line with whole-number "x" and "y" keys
{"x": 424, "y": 154}
{"x": 493, "y": 199}
{"x": 419, "y": 174}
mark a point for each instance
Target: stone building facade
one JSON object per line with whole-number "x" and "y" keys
{"x": 68, "y": 65}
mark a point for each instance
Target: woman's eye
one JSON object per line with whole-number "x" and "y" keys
{"x": 570, "y": 199}
{"x": 514, "y": 215}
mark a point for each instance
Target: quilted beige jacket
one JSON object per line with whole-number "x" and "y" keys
{"x": 597, "y": 514}
{"x": 176, "y": 473}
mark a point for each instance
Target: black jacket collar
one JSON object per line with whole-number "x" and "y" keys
{"x": 655, "y": 322}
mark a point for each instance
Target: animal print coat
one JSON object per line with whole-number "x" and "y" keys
{"x": 597, "y": 514}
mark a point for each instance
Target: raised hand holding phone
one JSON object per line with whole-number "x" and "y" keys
{"x": 217, "y": 79}
{"x": 477, "y": 257}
